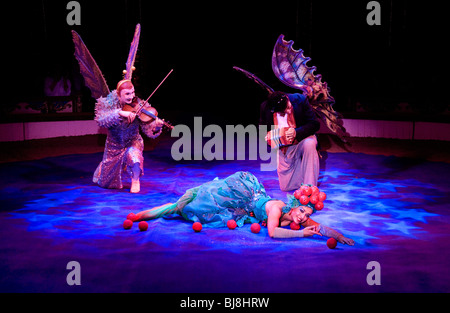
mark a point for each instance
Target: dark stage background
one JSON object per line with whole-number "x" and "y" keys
{"x": 369, "y": 67}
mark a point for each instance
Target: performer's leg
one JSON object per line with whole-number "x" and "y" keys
{"x": 134, "y": 161}
{"x": 135, "y": 175}
{"x": 169, "y": 208}
{"x": 310, "y": 163}
{"x": 97, "y": 173}
{"x": 285, "y": 170}
{"x": 157, "y": 212}
{"x": 300, "y": 165}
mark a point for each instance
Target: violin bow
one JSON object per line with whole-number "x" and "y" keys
{"x": 146, "y": 101}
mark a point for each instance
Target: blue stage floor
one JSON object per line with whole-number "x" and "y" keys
{"x": 396, "y": 210}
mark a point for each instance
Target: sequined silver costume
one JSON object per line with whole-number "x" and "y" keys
{"x": 124, "y": 144}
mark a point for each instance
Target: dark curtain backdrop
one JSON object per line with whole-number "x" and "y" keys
{"x": 403, "y": 60}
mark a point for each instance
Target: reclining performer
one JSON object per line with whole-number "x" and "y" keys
{"x": 242, "y": 197}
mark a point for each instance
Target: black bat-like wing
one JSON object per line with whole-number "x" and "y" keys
{"x": 290, "y": 67}
{"x": 256, "y": 79}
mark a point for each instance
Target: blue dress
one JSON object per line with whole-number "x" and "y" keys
{"x": 240, "y": 197}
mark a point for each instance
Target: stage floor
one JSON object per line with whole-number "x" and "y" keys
{"x": 395, "y": 208}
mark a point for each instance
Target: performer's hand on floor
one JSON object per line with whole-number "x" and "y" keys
{"x": 346, "y": 241}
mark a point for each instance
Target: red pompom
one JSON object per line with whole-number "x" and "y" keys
{"x": 297, "y": 194}
{"x": 319, "y": 206}
{"x": 315, "y": 190}
{"x": 307, "y": 191}
{"x": 294, "y": 226}
{"x": 314, "y": 199}
{"x": 302, "y": 189}
{"x": 143, "y": 226}
{"x": 322, "y": 196}
{"x": 331, "y": 243}
{"x": 255, "y": 228}
{"x": 127, "y": 224}
{"x": 304, "y": 200}
{"x": 231, "y": 224}
{"x": 131, "y": 217}
{"x": 197, "y": 227}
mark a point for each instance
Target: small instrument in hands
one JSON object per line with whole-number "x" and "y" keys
{"x": 144, "y": 110}
{"x": 277, "y": 138}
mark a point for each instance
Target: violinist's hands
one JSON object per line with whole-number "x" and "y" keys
{"x": 130, "y": 116}
{"x": 159, "y": 123}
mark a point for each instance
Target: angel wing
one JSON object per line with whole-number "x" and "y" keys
{"x": 93, "y": 77}
{"x": 132, "y": 54}
{"x": 256, "y": 79}
{"x": 290, "y": 66}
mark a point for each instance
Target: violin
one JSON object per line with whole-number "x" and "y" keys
{"x": 144, "y": 111}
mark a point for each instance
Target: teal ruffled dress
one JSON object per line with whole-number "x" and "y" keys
{"x": 240, "y": 197}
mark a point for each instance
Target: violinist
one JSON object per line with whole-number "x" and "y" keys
{"x": 124, "y": 144}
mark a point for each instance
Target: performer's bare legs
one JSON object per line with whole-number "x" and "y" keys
{"x": 157, "y": 212}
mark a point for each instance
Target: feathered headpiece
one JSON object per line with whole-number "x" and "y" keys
{"x": 92, "y": 74}
{"x": 290, "y": 67}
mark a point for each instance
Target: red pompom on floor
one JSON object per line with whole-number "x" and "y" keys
{"x": 255, "y": 228}
{"x": 127, "y": 224}
{"x": 197, "y": 227}
{"x": 131, "y": 217}
{"x": 143, "y": 226}
{"x": 331, "y": 243}
{"x": 231, "y": 224}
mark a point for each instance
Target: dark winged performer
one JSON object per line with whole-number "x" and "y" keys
{"x": 294, "y": 118}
